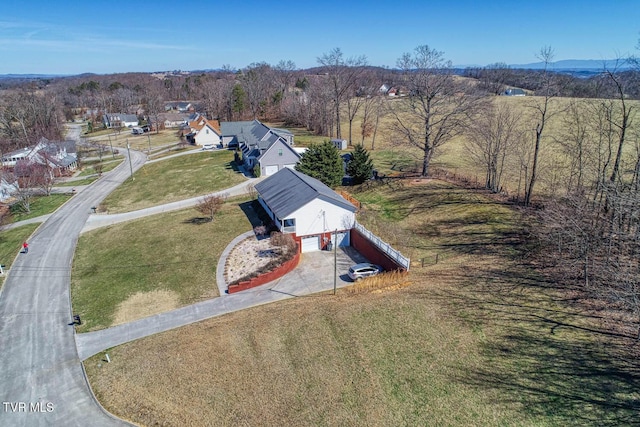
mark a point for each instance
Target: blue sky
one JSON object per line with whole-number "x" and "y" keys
{"x": 112, "y": 36}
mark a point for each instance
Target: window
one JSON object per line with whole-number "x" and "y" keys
{"x": 280, "y": 152}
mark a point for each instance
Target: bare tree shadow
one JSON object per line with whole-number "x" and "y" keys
{"x": 198, "y": 220}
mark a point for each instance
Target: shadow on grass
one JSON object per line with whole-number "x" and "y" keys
{"x": 198, "y": 220}
{"x": 544, "y": 351}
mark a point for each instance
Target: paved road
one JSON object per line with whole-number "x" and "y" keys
{"x": 42, "y": 381}
{"x": 103, "y": 220}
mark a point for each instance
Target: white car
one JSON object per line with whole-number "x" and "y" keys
{"x": 208, "y": 146}
{"x": 364, "y": 269}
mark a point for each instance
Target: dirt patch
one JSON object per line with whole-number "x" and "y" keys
{"x": 249, "y": 256}
{"x": 143, "y": 304}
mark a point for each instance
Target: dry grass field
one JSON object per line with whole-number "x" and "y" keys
{"x": 391, "y": 158}
{"x": 478, "y": 339}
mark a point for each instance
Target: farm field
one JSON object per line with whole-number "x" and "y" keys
{"x": 454, "y": 157}
{"x": 478, "y": 338}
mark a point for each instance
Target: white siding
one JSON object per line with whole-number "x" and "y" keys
{"x": 319, "y": 216}
{"x": 206, "y": 135}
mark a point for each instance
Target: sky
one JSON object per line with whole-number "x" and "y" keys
{"x": 115, "y": 36}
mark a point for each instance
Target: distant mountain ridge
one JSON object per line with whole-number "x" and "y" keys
{"x": 579, "y": 64}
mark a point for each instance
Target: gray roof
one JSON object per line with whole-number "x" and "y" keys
{"x": 288, "y": 190}
{"x": 254, "y": 134}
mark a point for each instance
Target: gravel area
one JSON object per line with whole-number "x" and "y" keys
{"x": 249, "y": 256}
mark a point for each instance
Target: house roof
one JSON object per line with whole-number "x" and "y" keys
{"x": 288, "y": 190}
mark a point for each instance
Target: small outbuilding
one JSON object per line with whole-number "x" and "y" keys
{"x": 340, "y": 144}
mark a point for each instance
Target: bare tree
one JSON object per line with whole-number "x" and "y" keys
{"x": 342, "y": 75}
{"x": 491, "y": 138}
{"x": 210, "y": 205}
{"x": 257, "y": 80}
{"x": 542, "y": 115}
{"x": 438, "y": 107}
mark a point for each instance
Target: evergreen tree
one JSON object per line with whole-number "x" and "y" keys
{"x": 323, "y": 162}
{"x": 360, "y": 168}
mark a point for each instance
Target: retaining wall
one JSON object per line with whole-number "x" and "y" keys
{"x": 266, "y": 277}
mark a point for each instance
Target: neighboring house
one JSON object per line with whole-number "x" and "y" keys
{"x": 305, "y": 207}
{"x": 61, "y": 156}
{"x": 514, "y": 92}
{"x": 269, "y": 148}
{"x": 180, "y": 106}
{"x": 7, "y": 190}
{"x": 119, "y": 120}
{"x": 169, "y": 120}
{"x": 203, "y": 131}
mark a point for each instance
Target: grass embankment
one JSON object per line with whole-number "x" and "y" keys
{"x": 11, "y": 242}
{"x": 40, "y": 205}
{"x": 131, "y": 270}
{"x": 175, "y": 179}
{"x": 477, "y": 340}
{"x": 107, "y": 164}
{"x": 136, "y": 142}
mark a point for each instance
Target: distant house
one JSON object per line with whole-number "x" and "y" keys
{"x": 203, "y": 131}
{"x": 169, "y": 120}
{"x": 514, "y": 92}
{"x": 180, "y": 106}
{"x": 269, "y": 148}
{"x": 61, "y": 156}
{"x": 119, "y": 120}
{"x": 306, "y": 208}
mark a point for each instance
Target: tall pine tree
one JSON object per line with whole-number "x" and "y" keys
{"x": 323, "y": 162}
{"x": 360, "y": 168}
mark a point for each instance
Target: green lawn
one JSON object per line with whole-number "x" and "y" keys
{"x": 175, "y": 179}
{"x": 162, "y": 252}
{"x": 41, "y": 205}
{"x": 76, "y": 183}
{"x": 11, "y": 242}
{"x": 107, "y": 164}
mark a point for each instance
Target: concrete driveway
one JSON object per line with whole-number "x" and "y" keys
{"x": 314, "y": 273}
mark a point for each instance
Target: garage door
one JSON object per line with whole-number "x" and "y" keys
{"x": 343, "y": 239}
{"x": 310, "y": 244}
{"x": 270, "y": 170}
{"x": 291, "y": 166}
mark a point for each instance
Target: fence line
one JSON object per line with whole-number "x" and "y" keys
{"x": 385, "y": 247}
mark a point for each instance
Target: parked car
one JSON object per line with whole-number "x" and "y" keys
{"x": 137, "y": 131}
{"x": 208, "y": 146}
{"x": 364, "y": 269}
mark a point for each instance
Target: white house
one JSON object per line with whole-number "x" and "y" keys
{"x": 204, "y": 131}
{"x": 306, "y": 208}
{"x": 115, "y": 120}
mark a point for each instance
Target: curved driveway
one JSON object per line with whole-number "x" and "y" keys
{"x": 42, "y": 381}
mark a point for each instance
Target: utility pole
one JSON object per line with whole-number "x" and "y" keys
{"x": 149, "y": 139}
{"x": 111, "y": 145}
{"x": 335, "y": 261}
{"x": 130, "y": 164}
